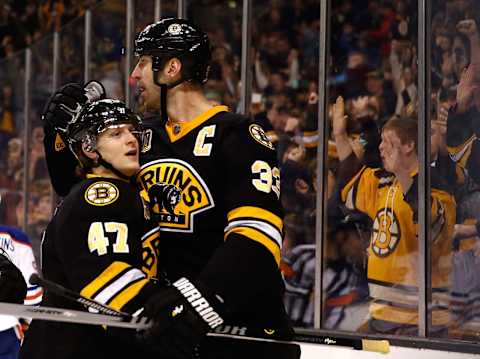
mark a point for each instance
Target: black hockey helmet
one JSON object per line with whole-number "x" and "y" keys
{"x": 173, "y": 37}
{"x": 96, "y": 118}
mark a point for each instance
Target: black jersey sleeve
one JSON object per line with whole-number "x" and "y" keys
{"x": 61, "y": 162}
{"x": 253, "y": 188}
{"x": 247, "y": 263}
{"x": 99, "y": 242}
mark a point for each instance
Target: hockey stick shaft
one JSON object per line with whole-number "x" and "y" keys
{"x": 79, "y": 317}
{"x": 72, "y": 316}
{"x": 75, "y": 297}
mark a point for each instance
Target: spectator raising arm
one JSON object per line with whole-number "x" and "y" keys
{"x": 339, "y": 129}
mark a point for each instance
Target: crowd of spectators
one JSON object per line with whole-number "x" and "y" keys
{"x": 22, "y": 22}
{"x": 372, "y": 65}
{"x": 28, "y": 23}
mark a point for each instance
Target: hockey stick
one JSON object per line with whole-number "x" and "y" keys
{"x": 139, "y": 323}
{"x": 75, "y": 297}
{"x": 127, "y": 321}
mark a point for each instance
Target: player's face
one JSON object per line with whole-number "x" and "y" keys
{"x": 119, "y": 147}
{"x": 149, "y": 93}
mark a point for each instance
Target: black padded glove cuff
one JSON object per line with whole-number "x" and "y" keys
{"x": 209, "y": 307}
{"x": 182, "y": 316}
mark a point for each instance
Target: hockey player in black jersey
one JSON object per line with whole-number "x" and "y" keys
{"x": 99, "y": 242}
{"x": 222, "y": 245}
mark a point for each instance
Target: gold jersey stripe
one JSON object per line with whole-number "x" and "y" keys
{"x": 258, "y": 237}
{"x": 459, "y": 151}
{"x": 310, "y": 145}
{"x": 127, "y": 294}
{"x": 255, "y": 212}
{"x": 106, "y": 276}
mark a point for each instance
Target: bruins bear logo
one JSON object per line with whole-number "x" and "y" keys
{"x": 195, "y": 197}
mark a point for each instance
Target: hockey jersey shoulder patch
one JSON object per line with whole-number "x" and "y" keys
{"x": 258, "y": 134}
{"x": 101, "y": 193}
{"x": 59, "y": 144}
{"x": 147, "y": 140}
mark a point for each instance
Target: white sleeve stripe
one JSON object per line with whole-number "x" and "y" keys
{"x": 33, "y": 302}
{"x": 118, "y": 285}
{"x": 266, "y": 228}
{"x": 149, "y": 233}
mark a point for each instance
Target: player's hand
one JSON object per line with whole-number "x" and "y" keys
{"x": 165, "y": 196}
{"x": 182, "y": 315}
{"x": 13, "y": 288}
{"x": 67, "y": 101}
{"x": 63, "y": 105}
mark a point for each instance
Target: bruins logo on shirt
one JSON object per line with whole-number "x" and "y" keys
{"x": 195, "y": 195}
{"x": 385, "y": 234}
{"x": 101, "y": 193}
{"x": 259, "y": 135}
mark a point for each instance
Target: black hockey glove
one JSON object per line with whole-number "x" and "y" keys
{"x": 165, "y": 196}
{"x": 13, "y": 288}
{"x": 182, "y": 314}
{"x": 67, "y": 101}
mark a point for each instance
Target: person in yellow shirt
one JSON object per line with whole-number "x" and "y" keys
{"x": 389, "y": 196}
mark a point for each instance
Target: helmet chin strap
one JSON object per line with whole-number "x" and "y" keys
{"x": 163, "y": 94}
{"x": 110, "y": 167}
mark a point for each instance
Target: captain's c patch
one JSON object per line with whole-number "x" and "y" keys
{"x": 259, "y": 135}
{"x": 101, "y": 193}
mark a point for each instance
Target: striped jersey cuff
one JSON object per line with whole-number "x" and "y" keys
{"x": 116, "y": 285}
{"x": 259, "y": 225}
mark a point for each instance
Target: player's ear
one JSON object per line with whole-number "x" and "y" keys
{"x": 173, "y": 67}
